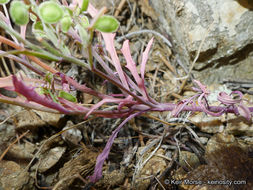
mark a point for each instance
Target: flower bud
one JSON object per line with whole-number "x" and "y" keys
{"x": 50, "y": 12}
{"x": 106, "y": 24}
{"x": 19, "y": 12}
{"x": 4, "y": 1}
{"x": 66, "y": 22}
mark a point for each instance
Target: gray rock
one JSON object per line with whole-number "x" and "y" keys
{"x": 227, "y": 24}
{"x": 168, "y": 21}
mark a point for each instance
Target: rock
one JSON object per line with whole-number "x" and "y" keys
{"x": 82, "y": 164}
{"x": 147, "y": 9}
{"x": 168, "y": 22}
{"x": 28, "y": 120}
{"x": 22, "y": 151}
{"x": 50, "y": 118}
{"x": 215, "y": 89}
{"x": 206, "y": 123}
{"x": 32, "y": 119}
{"x": 111, "y": 179}
{"x": 188, "y": 159}
{"x": 219, "y": 141}
{"x": 51, "y": 158}
{"x": 228, "y": 26}
{"x": 12, "y": 176}
{"x": 227, "y": 161}
{"x": 107, "y": 3}
{"x": 239, "y": 125}
{"x": 227, "y": 168}
{"x": 203, "y": 140}
{"x": 73, "y": 135}
{"x": 154, "y": 166}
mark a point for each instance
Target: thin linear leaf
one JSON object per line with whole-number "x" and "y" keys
{"x": 109, "y": 44}
{"x": 145, "y": 58}
{"x": 104, "y": 155}
{"x": 33, "y": 96}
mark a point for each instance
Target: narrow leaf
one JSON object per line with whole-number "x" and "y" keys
{"x": 23, "y": 103}
{"x": 145, "y": 58}
{"x": 130, "y": 62}
{"x": 104, "y": 155}
{"x": 109, "y": 44}
{"x": 31, "y": 95}
{"x": 84, "y": 5}
{"x": 132, "y": 68}
{"x": 102, "y": 102}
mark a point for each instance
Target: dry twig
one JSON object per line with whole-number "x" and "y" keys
{"x": 7, "y": 149}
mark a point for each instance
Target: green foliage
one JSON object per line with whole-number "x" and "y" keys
{"x": 19, "y": 12}
{"x": 49, "y": 77}
{"x": 50, "y": 12}
{"x": 38, "y": 26}
{"x": 4, "y": 1}
{"x": 83, "y": 34}
{"x": 37, "y": 29}
{"x": 84, "y": 5}
{"x": 84, "y": 21}
{"x": 33, "y": 17}
{"x": 67, "y": 96}
{"x": 66, "y": 22}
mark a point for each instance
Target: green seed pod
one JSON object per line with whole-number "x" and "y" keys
{"x": 50, "y": 12}
{"x": 106, "y": 24}
{"x": 19, "y": 12}
{"x": 66, "y": 22}
{"x": 4, "y": 1}
{"x": 67, "y": 96}
{"x": 84, "y": 5}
